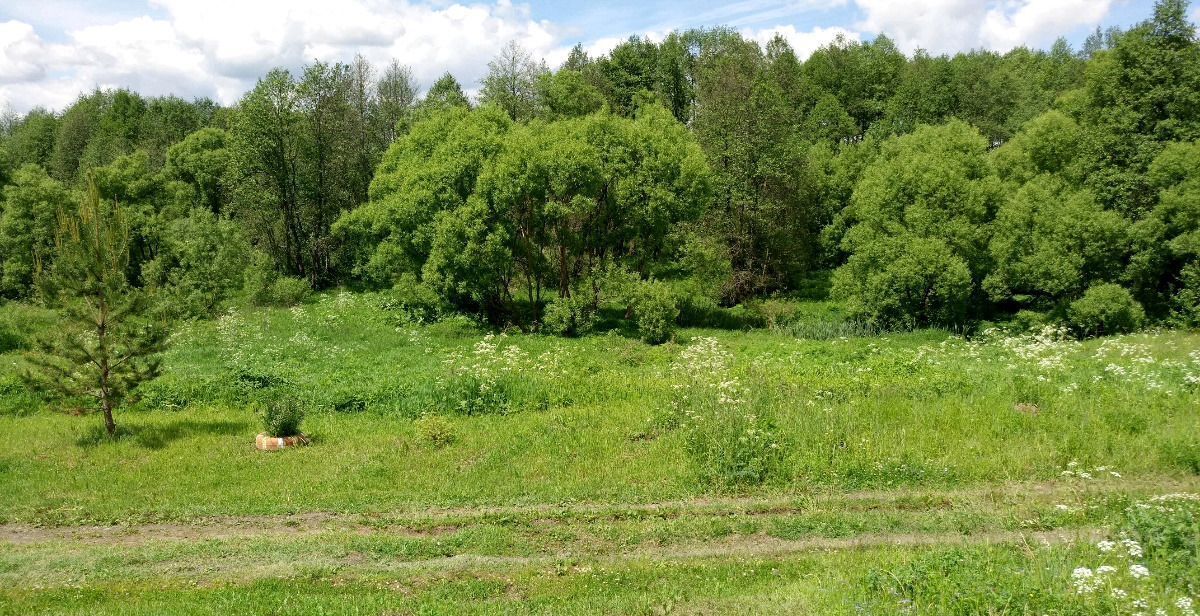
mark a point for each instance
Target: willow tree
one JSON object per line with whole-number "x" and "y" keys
{"x": 108, "y": 343}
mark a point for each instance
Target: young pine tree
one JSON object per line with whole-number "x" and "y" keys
{"x": 108, "y": 343}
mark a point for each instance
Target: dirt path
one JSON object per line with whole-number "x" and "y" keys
{"x": 427, "y": 522}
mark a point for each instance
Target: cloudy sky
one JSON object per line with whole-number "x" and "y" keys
{"x": 50, "y": 50}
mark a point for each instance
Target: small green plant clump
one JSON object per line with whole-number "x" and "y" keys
{"x": 731, "y": 441}
{"x": 281, "y": 416}
{"x": 481, "y": 382}
{"x": 436, "y": 430}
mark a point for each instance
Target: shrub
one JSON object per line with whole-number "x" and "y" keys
{"x": 569, "y": 316}
{"x": 436, "y": 430}
{"x": 1030, "y": 321}
{"x": 655, "y": 310}
{"x": 1105, "y": 309}
{"x": 199, "y": 263}
{"x": 281, "y": 415}
{"x": 481, "y": 382}
{"x": 1168, "y": 529}
{"x": 264, "y": 286}
{"x": 730, "y": 439}
{"x": 413, "y": 301}
{"x": 1187, "y": 298}
{"x": 289, "y": 291}
{"x": 905, "y": 283}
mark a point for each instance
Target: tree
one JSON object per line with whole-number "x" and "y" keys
{"x": 630, "y": 68}
{"x": 201, "y": 160}
{"x": 396, "y": 95}
{"x": 765, "y": 199}
{"x": 568, "y": 94}
{"x": 512, "y": 82}
{"x": 432, "y": 168}
{"x": 108, "y": 344}
{"x": 31, "y": 206}
{"x": 291, "y": 166}
{"x": 445, "y": 92}
{"x": 366, "y": 145}
{"x": 936, "y": 185}
{"x": 1050, "y": 243}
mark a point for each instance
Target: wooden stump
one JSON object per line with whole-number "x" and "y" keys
{"x": 274, "y": 443}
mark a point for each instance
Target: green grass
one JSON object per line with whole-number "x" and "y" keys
{"x": 922, "y": 409}
{"x": 1012, "y": 577}
{"x": 573, "y": 470}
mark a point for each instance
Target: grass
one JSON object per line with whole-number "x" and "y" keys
{"x": 452, "y": 471}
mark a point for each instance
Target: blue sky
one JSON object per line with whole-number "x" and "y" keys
{"x": 50, "y": 50}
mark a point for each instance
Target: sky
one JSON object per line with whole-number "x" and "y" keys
{"x": 51, "y": 50}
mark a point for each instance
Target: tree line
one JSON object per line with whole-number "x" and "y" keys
{"x": 668, "y": 177}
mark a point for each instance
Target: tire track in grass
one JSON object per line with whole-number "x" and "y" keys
{"x": 434, "y": 522}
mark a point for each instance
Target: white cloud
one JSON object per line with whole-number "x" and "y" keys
{"x": 219, "y": 48}
{"x": 948, "y": 26}
{"x": 804, "y": 43}
{"x": 20, "y": 49}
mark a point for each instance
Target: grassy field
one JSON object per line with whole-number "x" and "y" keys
{"x": 788, "y": 470}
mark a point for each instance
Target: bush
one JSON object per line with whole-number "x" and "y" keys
{"x": 655, "y": 310}
{"x": 1187, "y": 298}
{"x": 436, "y": 430}
{"x": 1030, "y": 321}
{"x": 413, "y": 301}
{"x": 569, "y": 316}
{"x": 1105, "y": 309}
{"x": 199, "y": 263}
{"x": 730, "y": 438}
{"x": 905, "y": 283}
{"x": 264, "y": 286}
{"x": 1168, "y": 528}
{"x": 281, "y": 415}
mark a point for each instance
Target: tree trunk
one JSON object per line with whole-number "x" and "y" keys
{"x": 109, "y": 424}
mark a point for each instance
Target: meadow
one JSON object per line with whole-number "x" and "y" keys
{"x": 459, "y": 469}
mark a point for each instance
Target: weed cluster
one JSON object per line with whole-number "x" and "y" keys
{"x": 730, "y": 438}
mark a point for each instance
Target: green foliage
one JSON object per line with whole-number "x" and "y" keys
{"x": 296, "y": 151}
{"x": 264, "y": 286}
{"x": 202, "y": 160}
{"x": 655, "y": 311}
{"x": 413, "y": 301}
{"x": 1105, "y": 309}
{"x": 436, "y": 430}
{"x": 280, "y": 415}
{"x": 201, "y": 262}
{"x": 568, "y": 94}
{"x": 482, "y": 209}
{"x": 1049, "y": 243}
{"x": 432, "y": 168}
{"x": 512, "y": 82}
{"x": 28, "y": 220}
{"x": 569, "y": 316}
{"x": 904, "y": 283}
{"x": 108, "y": 345}
{"x": 920, "y": 214}
{"x": 445, "y": 93}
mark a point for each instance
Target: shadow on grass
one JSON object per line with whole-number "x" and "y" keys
{"x": 158, "y": 436}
